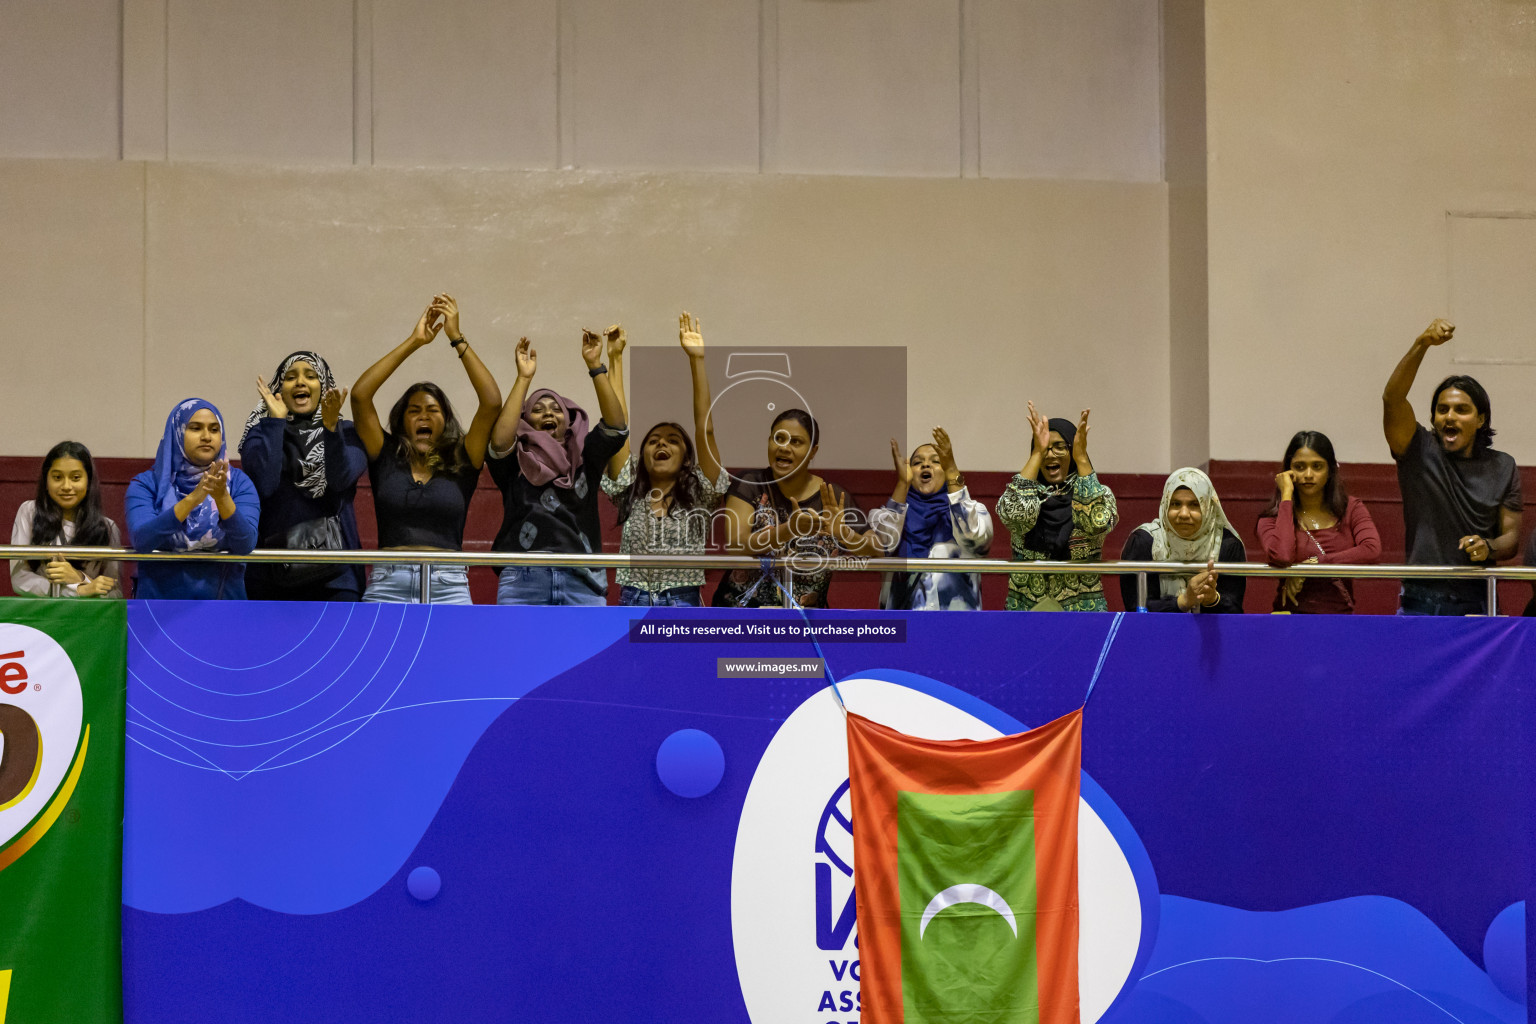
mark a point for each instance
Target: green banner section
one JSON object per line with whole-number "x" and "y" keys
{"x": 966, "y": 867}
{"x": 63, "y": 676}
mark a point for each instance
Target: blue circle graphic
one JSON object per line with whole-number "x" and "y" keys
{"x": 1504, "y": 951}
{"x": 423, "y": 883}
{"x": 690, "y": 762}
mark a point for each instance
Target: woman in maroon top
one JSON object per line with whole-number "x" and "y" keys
{"x": 1312, "y": 520}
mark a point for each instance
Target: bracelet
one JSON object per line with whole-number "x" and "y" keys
{"x": 455, "y": 345}
{"x": 596, "y": 370}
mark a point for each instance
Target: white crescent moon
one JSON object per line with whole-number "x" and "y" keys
{"x": 967, "y": 893}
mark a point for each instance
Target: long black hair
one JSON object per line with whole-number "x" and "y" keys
{"x": 1334, "y": 494}
{"x": 91, "y": 529}
{"x": 685, "y": 490}
{"x": 1483, "y": 440}
{"x": 448, "y": 455}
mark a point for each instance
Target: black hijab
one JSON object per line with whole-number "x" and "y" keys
{"x": 1052, "y": 535}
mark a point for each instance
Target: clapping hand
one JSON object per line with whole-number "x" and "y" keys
{"x": 448, "y": 309}
{"x": 330, "y": 407}
{"x": 1039, "y": 428}
{"x": 1080, "y": 445}
{"x": 430, "y": 323}
{"x": 275, "y": 405}
{"x": 1201, "y": 590}
{"x": 903, "y": 467}
{"x": 215, "y": 481}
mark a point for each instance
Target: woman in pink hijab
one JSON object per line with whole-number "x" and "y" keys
{"x": 548, "y": 459}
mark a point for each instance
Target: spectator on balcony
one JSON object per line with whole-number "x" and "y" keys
{"x": 1190, "y": 527}
{"x": 425, "y": 467}
{"x": 666, "y": 495}
{"x": 786, "y": 510}
{"x": 66, "y": 512}
{"x": 1056, "y": 510}
{"x": 931, "y": 515}
{"x": 305, "y": 461}
{"x": 548, "y": 462}
{"x": 1461, "y": 498}
{"x": 192, "y": 500}
{"x": 1313, "y": 521}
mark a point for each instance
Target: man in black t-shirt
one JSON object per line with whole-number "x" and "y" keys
{"x": 1461, "y": 499}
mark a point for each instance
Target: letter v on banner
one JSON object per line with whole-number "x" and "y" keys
{"x": 965, "y": 870}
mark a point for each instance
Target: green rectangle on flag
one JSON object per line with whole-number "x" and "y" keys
{"x": 965, "y": 864}
{"x": 63, "y": 675}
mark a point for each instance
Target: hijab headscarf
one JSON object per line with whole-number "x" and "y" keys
{"x": 175, "y": 477}
{"x": 1052, "y": 533}
{"x": 544, "y": 460}
{"x": 303, "y": 436}
{"x": 1204, "y": 546}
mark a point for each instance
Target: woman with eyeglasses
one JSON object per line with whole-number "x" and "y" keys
{"x": 1057, "y": 510}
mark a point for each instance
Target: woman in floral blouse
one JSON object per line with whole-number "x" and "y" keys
{"x": 1056, "y": 510}
{"x": 666, "y": 495}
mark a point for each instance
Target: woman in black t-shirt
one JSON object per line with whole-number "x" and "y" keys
{"x": 788, "y": 510}
{"x": 424, "y": 469}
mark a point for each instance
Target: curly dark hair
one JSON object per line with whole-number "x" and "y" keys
{"x": 448, "y": 455}
{"x": 48, "y": 518}
{"x": 1334, "y": 494}
{"x": 685, "y": 491}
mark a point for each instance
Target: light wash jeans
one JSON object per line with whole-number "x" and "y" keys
{"x": 401, "y": 584}
{"x": 676, "y": 597}
{"x": 541, "y": 584}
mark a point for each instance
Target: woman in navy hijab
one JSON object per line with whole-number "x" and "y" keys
{"x": 192, "y": 500}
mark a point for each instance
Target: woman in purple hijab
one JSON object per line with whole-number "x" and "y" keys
{"x": 548, "y": 460}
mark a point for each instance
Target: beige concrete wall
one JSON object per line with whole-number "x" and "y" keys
{"x": 1348, "y": 139}
{"x": 132, "y": 285}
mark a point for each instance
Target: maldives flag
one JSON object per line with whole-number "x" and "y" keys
{"x": 965, "y": 866}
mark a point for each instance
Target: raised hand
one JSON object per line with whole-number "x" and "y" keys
{"x": 1438, "y": 332}
{"x": 58, "y": 570}
{"x": 1080, "y": 445}
{"x": 903, "y": 467}
{"x": 690, "y": 335}
{"x": 802, "y": 521}
{"x": 275, "y": 407}
{"x": 946, "y": 450}
{"x": 449, "y": 310}
{"x": 831, "y": 511}
{"x": 1039, "y": 428}
{"x": 527, "y": 359}
{"x": 591, "y": 348}
{"x": 1286, "y": 481}
{"x": 430, "y": 323}
{"x": 616, "y": 341}
{"x": 330, "y": 407}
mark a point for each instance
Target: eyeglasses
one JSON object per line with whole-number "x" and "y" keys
{"x": 1059, "y": 448}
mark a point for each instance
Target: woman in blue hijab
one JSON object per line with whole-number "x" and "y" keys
{"x": 192, "y": 500}
{"x": 931, "y": 515}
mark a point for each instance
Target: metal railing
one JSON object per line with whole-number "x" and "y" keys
{"x": 785, "y": 566}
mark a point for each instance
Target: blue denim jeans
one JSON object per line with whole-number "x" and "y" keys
{"x": 401, "y": 584}
{"x": 540, "y": 584}
{"x": 677, "y": 597}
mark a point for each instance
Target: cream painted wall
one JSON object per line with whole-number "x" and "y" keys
{"x": 1342, "y": 134}
{"x": 143, "y": 283}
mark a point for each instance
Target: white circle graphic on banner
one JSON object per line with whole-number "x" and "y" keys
{"x": 40, "y": 718}
{"x": 792, "y": 916}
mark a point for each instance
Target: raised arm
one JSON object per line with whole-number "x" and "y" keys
{"x": 364, "y": 415}
{"x": 1040, "y": 437}
{"x": 691, "y": 335}
{"x": 487, "y": 394}
{"x": 608, "y": 404}
{"x": 504, "y": 432}
{"x": 616, "y": 343}
{"x": 1397, "y": 419}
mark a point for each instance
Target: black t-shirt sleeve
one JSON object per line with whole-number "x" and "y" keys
{"x": 1513, "y": 499}
{"x": 1231, "y": 588}
{"x": 603, "y": 443}
{"x": 1138, "y": 548}
{"x": 504, "y": 471}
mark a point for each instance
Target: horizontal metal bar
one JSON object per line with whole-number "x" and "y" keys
{"x": 797, "y": 563}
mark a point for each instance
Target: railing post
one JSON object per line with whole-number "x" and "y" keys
{"x": 426, "y": 583}
{"x": 787, "y": 581}
{"x": 1493, "y": 595}
{"x": 1141, "y": 591}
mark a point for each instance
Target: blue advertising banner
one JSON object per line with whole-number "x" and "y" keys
{"x": 379, "y": 812}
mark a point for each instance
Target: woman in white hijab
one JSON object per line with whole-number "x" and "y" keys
{"x": 1190, "y": 527}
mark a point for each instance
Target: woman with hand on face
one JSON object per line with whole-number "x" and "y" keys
{"x": 1312, "y": 520}
{"x": 666, "y": 495}
{"x": 192, "y": 500}
{"x": 425, "y": 467}
{"x": 931, "y": 515}
{"x": 787, "y": 510}
{"x": 66, "y": 511}
{"x": 1190, "y": 527}
{"x": 1056, "y": 510}
{"x": 1461, "y": 499}
{"x": 548, "y": 460}
{"x": 305, "y": 461}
